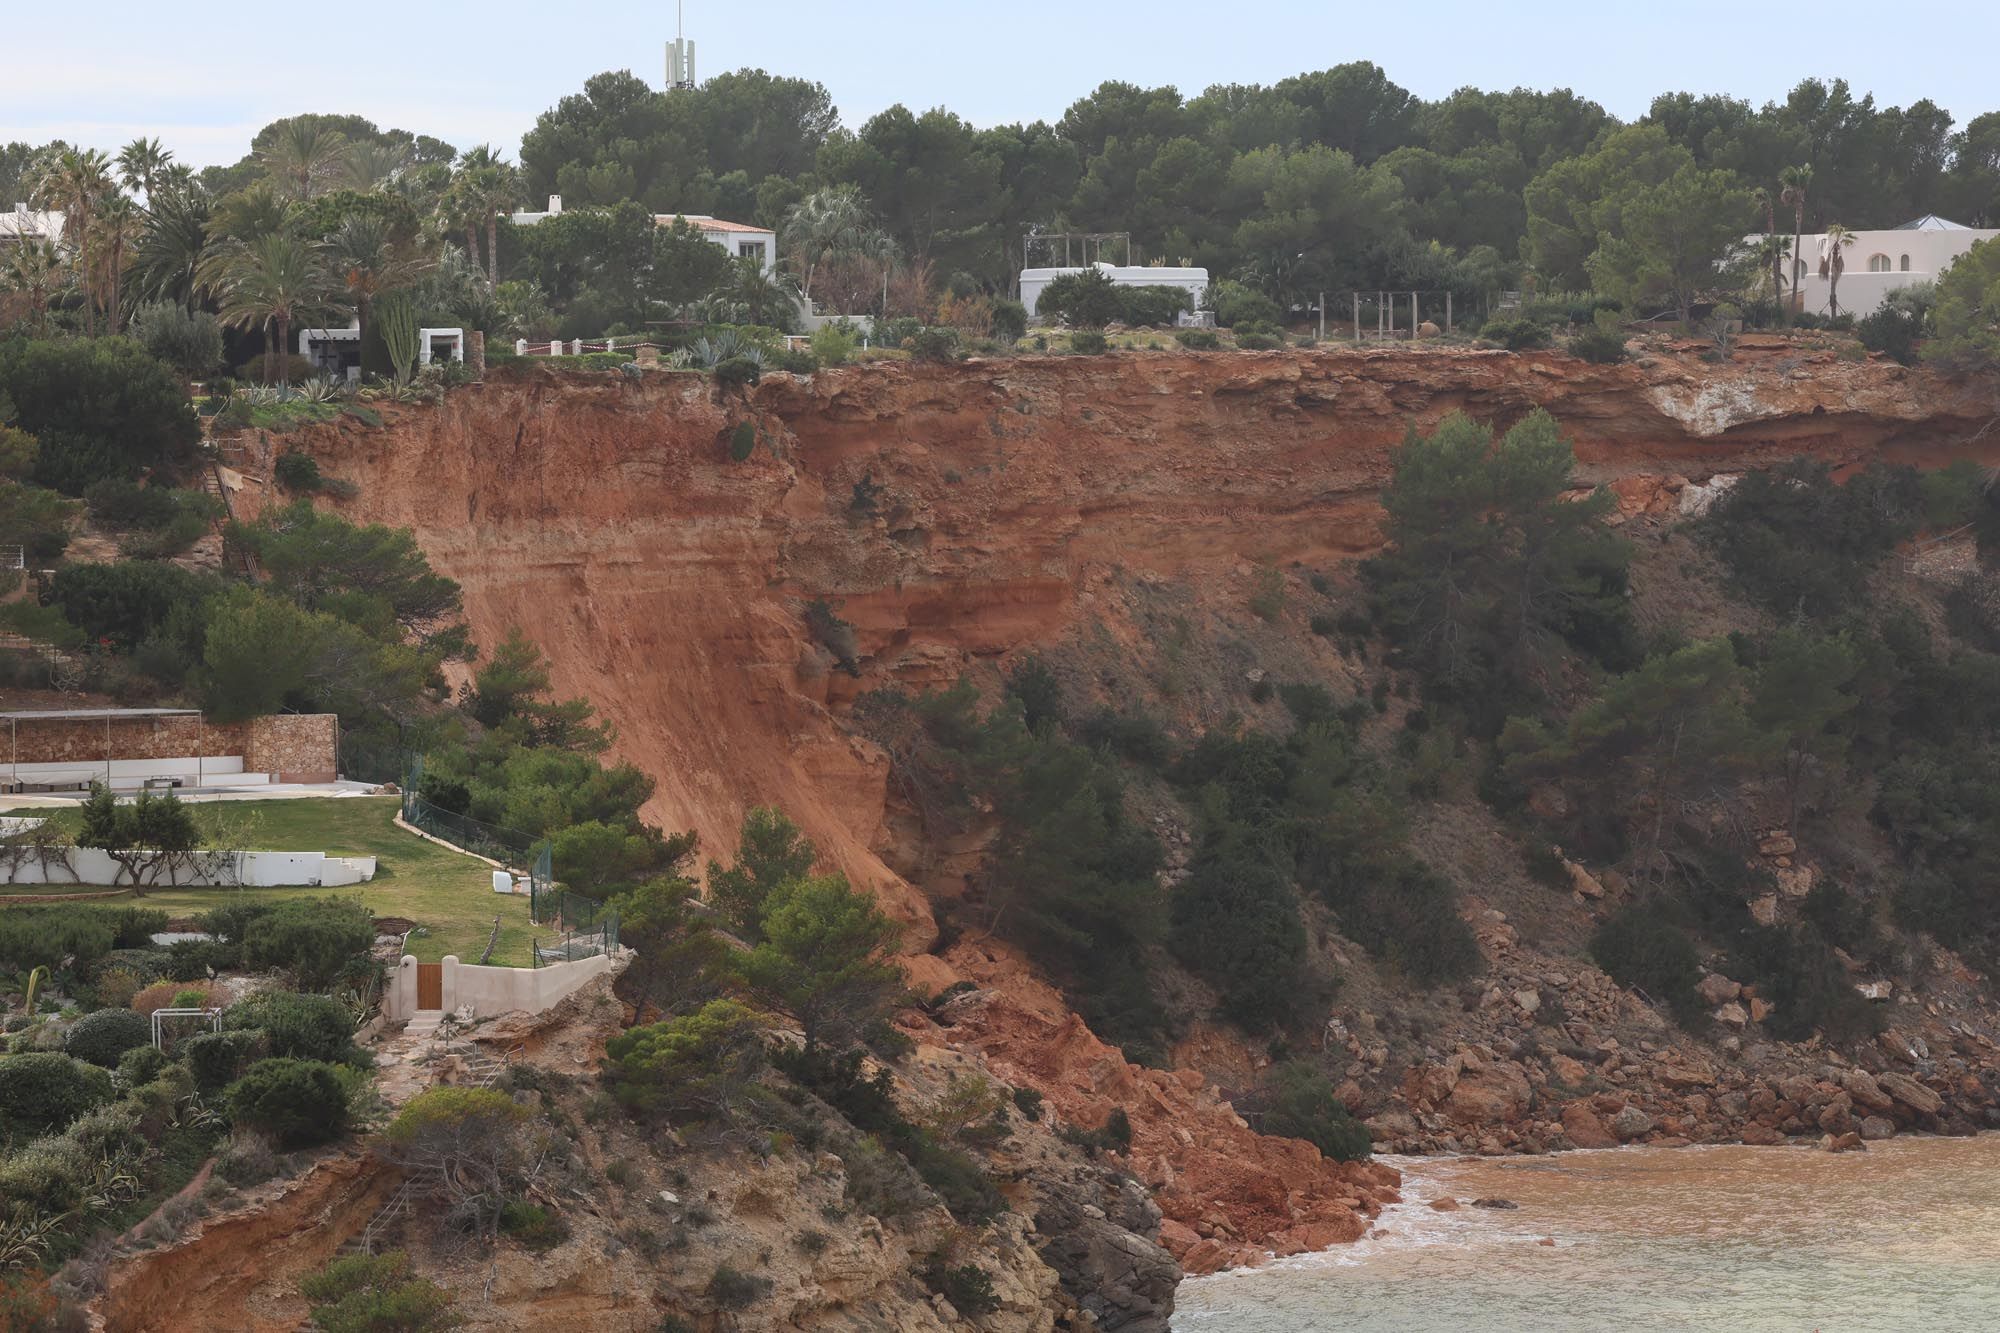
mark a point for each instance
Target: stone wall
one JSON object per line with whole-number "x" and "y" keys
{"x": 293, "y": 747}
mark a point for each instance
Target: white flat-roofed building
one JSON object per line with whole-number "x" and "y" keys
{"x": 1879, "y": 262}
{"x": 1193, "y": 281}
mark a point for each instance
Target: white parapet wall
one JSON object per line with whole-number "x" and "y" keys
{"x": 491, "y": 991}
{"x": 269, "y": 870}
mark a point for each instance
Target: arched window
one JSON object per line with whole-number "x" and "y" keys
{"x": 1906, "y": 263}
{"x": 1878, "y": 263}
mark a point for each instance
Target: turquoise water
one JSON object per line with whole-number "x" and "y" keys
{"x": 1903, "y": 1237}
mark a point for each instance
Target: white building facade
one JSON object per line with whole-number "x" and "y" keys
{"x": 31, "y": 226}
{"x": 1879, "y": 262}
{"x": 740, "y": 239}
{"x": 337, "y": 352}
{"x": 1193, "y": 281}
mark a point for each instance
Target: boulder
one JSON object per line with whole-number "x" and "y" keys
{"x": 1529, "y": 1000}
{"x": 1842, "y": 1143}
{"x": 1875, "y": 1128}
{"x": 1631, "y": 1123}
{"x": 1761, "y": 1136}
{"x": 1447, "y": 1204}
{"x": 1492, "y": 1094}
{"x": 1777, "y": 843}
{"x": 1764, "y": 910}
{"x": 1860, "y": 1085}
{"x": 1794, "y": 881}
{"x": 1731, "y": 1016}
{"x": 1760, "y": 1009}
{"x": 1717, "y": 989}
{"x": 1567, "y": 1071}
{"x": 1908, "y": 1092}
{"x": 1585, "y": 1128}
{"x": 1582, "y": 881}
{"x": 1505, "y": 1204}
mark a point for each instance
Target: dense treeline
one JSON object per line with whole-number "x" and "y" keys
{"x": 1328, "y": 180}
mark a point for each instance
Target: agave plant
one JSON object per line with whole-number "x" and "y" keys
{"x": 709, "y": 352}
{"x": 322, "y": 389}
{"x": 26, "y": 1237}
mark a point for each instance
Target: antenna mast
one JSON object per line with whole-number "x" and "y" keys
{"x": 680, "y": 52}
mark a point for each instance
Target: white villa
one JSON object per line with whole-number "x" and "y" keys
{"x": 1193, "y": 281}
{"x": 27, "y": 226}
{"x": 337, "y": 352}
{"x": 740, "y": 239}
{"x": 1881, "y": 261}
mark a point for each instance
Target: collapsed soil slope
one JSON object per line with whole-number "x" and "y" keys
{"x": 959, "y": 513}
{"x": 666, "y": 582}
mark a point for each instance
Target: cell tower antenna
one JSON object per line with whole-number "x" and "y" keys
{"x": 680, "y": 52}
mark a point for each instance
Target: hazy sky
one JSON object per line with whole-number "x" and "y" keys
{"x": 205, "y": 78}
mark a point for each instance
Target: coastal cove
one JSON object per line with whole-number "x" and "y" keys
{"x": 1903, "y": 1236}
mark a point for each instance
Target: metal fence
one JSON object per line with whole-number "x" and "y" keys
{"x": 508, "y": 846}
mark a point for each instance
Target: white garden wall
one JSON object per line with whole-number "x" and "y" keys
{"x": 492, "y": 991}
{"x": 90, "y": 865}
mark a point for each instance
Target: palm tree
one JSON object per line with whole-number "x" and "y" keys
{"x": 763, "y": 299}
{"x": 141, "y": 163}
{"x": 36, "y": 270}
{"x": 487, "y": 187}
{"x": 305, "y": 157}
{"x": 1772, "y": 250}
{"x": 367, "y": 258}
{"x": 172, "y": 242}
{"x": 75, "y": 181}
{"x": 1793, "y": 183}
{"x": 268, "y": 283}
{"x": 372, "y": 165}
{"x": 825, "y": 225}
{"x": 1832, "y": 263}
{"x": 249, "y": 215}
{"x": 117, "y": 226}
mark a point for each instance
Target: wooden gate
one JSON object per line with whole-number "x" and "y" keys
{"x": 430, "y": 985}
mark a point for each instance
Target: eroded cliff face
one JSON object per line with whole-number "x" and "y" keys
{"x": 958, "y": 513}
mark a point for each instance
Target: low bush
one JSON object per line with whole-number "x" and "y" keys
{"x": 968, "y": 1287}
{"x": 733, "y": 1289}
{"x": 1087, "y": 342}
{"x": 217, "y": 1059}
{"x": 742, "y": 442}
{"x": 299, "y": 1103}
{"x": 141, "y": 1065}
{"x": 1303, "y": 1106}
{"x": 306, "y": 1027}
{"x": 105, "y": 1035}
{"x": 1258, "y": 340}
{"x": 532, "y": 1225}
{"x": 315, "y": 938}
{"x": 43, "y": 1090}
{"x": 935, "y": 344}
{"x": 364, "y": 1293}
{"x": 1199, "y": 340}
{"x": 738, "y": 371}
{"x": 1010, "y": 320}
{"x": 1599, "y": 346}
{"x": 1894, "y": 331}
{"x": 297, "y": 472}
{"x": 1642, "y": 946}
{"x": 1516, "y": 335}
{"x": 1028, "y": 1101}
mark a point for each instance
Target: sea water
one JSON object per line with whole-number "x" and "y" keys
{"x": 1904, "y": 1236}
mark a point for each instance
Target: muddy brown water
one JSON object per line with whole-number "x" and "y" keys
{"x": 1905, "y": 1236}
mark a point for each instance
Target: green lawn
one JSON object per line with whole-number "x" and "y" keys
{"x": 448, "y": 894}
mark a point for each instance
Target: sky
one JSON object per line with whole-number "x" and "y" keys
{"x": 205, "y": 80}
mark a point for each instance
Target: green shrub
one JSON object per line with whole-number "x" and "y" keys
{"x": 314, "y": 938}
{"x": 1087, "y": 342}
{"x": 1643, "y": 947}
{"x": 1029, "y": 1102}
{"x": 1010, "y": 320}
{"x": 299, "y": 1103}
{"x": 738, "y": 371}
{"x": 1236, "y": 304}
{"x": 43, "y": 1090}
{"x": 1256, "y": 340}
{"x": 1894, "y": 331}
{"x": 935, "y": 344}
{"x": 532, "y": 1225}
{"x": 218, "y": 1059}
{"x": 733, "y": 1289}
{"x": 1199, "y": 340}
{"x": 1795, "y": 541}
{"x": 305, "y": 1027}
{"x": 1303, "y": 1106}
{"x": 1084, "y": 299}
{"x": 141, "y": 1065}
{"x": 297, "y": 472}
{"x": 834, "y": 634}
{"x": 833, "y": 345}
{"x": 1153, "y": 305}
{"x": 1599, "y": 346}
{"x": 105, "y": 1035}
{"x": 376, "y": 1294}
{"x": 968, "y": 1287}
{"x": 742, "y": 441}
{"x": 48, "y": 1176}
{"x": 1794, "y": 968}
{"x": 1516, "y": 335}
